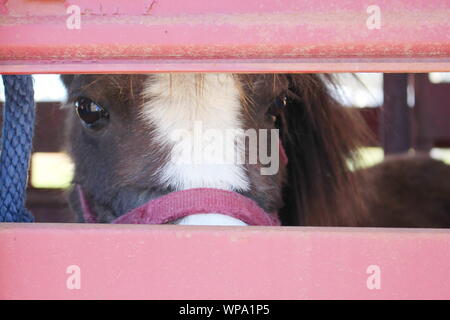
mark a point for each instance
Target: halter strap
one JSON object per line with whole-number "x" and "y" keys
{"x": 179, "y": 204}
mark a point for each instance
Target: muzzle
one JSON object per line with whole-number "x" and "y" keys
{"x": 180, "y": 204}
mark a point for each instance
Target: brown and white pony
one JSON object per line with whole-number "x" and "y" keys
{"x": 120, "y": 141}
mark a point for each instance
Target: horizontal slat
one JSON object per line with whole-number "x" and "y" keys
{"x": 187, "y": 262}
{"x": 235, "y": 35}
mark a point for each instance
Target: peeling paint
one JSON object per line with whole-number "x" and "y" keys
{"x": 150, "y": 7}
{"x": 146, "y": 32}
{"x": 3, "y": 7}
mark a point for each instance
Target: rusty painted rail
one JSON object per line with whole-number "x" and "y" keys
{"x": 64, "y": 261}
{"x": 242, "y": 36}
{"x": 101, "y": 261}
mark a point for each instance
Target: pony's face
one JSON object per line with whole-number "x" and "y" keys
{"x": 136, "y": 137}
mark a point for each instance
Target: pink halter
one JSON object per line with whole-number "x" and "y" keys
{"x": 179, "y": 204}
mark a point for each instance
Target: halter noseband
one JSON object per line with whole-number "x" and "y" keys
{"x": 179, "y": 204}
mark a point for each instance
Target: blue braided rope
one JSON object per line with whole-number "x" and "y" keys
{"x": 17, "y": 135}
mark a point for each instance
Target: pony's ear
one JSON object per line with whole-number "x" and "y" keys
{"x": 319, "y": 137}
{"x": 67, "y": 79}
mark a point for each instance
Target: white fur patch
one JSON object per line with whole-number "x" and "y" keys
{"x": 177, "y": 103}
{"x": 210, "y": 219}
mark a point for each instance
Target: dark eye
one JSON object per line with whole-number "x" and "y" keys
{"x": 92, "y": 115}
{"x": 277, "y": 106}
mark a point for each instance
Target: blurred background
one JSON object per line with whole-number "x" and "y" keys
{"x": 406, "y": 112}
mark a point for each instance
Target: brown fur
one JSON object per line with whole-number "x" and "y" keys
{"x": 408, "y": 191}
{"x": 116, "y": 166}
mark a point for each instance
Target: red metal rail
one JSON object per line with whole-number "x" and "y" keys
{"x": 234, "y": 35}
{"x": 103, "y": 261}
{"x": 63, "y": 261}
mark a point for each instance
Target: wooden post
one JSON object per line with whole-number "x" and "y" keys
{"x": 395, "y": 124}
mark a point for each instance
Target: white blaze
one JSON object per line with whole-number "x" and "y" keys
{"x": 175, "y": 103}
